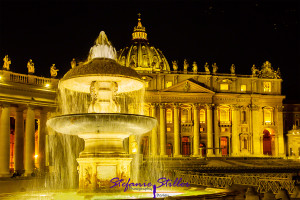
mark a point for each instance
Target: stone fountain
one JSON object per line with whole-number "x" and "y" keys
{"x": 107, "y": 121}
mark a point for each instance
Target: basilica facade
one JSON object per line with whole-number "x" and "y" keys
{"x": 200, "y": 112}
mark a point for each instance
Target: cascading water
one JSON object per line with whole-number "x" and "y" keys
{"x": 101, "y": 102}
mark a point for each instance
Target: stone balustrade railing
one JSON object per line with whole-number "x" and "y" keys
{"x": 8, "y": 76}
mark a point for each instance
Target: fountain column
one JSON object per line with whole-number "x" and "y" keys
{"x": 209, "y": 136}
{"x": 154, "y": 132}
{"x": 29, "y": 141}
{"x": 217, "y": 132}
{"x": 176, "y": 131}
{"x": 196, "y": 130}
{"x": 19, "y": 142}
{"x": 162, "y": 126}
{"x": 41, "y": 137}
{"x": 4, "y": 141}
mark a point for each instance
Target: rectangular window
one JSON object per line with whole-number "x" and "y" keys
{"x": 169, "y": 116}
{"x": 267, "y": 86}
{"x": 169, "y": 84}
{"x": 202, "y": 116}
{"x": 243, "y": 88}
{"x": 223, "y": 86}
{"x": 268, "y": 115}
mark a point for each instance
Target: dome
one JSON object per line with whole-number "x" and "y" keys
{"x": 141, "y": 56}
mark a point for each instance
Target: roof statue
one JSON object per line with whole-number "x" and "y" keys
{"x": 254, "y": 70}
{"x": 140, "y": 55}
{"x": 53, "y": 71}
{"x": 267, "y": 71}
{"x": 278, "y": 73}
{"x": 232, "y": 69}
{"x": 73, "y": 63}
{"x": 7, "y": 62}
{"x": 175, "y": 65}
{"x": 215, "y": 68}
{"x": 30, "y": 67}
{"x": 195, "y": 67}
{"x": 206, "y": 67}
{"x": 185, "y": 65}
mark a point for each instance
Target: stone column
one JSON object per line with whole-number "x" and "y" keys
{"x": 176, "y": 131}
{"x": 217, "y": 131}
{"x": 42, "y": 142}
{"x": 29, "y": 141}
{"x": 19, "y": 142}
{"x": 255, "y": 128}
{"x": 196, "y": 130}
{"x": 4, "y": 141}
{"x": 162, "y": 127}
{"x": 154, "y": 132}
{"x": 209, "y": 136}
{"x": 280, "y": 138}
{"x": 235, "y": 133}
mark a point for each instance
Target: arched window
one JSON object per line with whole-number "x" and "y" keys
{"x": 268, "y": 115}
{"x": 224, "y": 114}
{"x": 202, "y": 116}
{"x": 169, "y": 116}
{"x": 184, "y": 115}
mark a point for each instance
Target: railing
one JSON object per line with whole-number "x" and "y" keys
{"x": 8, "y": 76}
{"x": 263, "y": 181}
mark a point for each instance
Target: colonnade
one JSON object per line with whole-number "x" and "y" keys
{"x": 24, "y": 138}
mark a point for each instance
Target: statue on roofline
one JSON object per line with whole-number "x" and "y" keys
{"x": 53, "y": 71}
{"x": 195, "y": 67}
{"x": 30, "y": 67}
{"x": 206, "y": 67}
{"x": 185, "y": 65}
{"x": 215, "y": 68}
{"x": 7, "y": 62}
{"x": 232, "y": 69}
{"x": 73, "y": 63}
{"x": 254, "y": 70}
{"x": 175, "y": 65}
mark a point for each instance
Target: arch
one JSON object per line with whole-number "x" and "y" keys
{"x": 267, "y": 143}
{"x": 169, "y": 149}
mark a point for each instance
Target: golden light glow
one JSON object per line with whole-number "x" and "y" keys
{"x": 268, "y": 115}
{"x": 169, "y": 84}
{"x": 267, "y": 86}
{"x": 36, "y": 156}
{"x": 243, "y": 88}
{"x": 47, "y": 85}
{"x": 224, "y": 86}
{"x": 202, "y": 116}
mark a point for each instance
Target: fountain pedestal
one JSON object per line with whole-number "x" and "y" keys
{"x": 96, "y": 173}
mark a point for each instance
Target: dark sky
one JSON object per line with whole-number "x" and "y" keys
{"x": 226, "y": 32}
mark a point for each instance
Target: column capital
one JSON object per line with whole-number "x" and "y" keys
{"x": 280, "y": 108}
{"x": 196, "y": 106}
{"x": 176, "y": 105}
{"x": 253, "y": 107}
{"x": 162, "y": 105}
{"x": 31, "y": 107}
{"x": 235, "y": 107}
{"x": 153, "y": 105}
{"x": 210, "y": 106}
{"x": 4, "y": 105}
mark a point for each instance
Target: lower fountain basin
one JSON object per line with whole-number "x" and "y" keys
{"x": 102, "y": 125}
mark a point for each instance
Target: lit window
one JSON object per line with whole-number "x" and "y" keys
{"x": 169, "y": 84}
{"x": 267, "y": 86}
{"x": 169, "y": 116}
{"x": 223, "y": 86}
{"x": 202, "y": 116}
{"x": 168, "y": 129}
{"x": 243, "y": 88}
{"x": 268, "y": 115}
{"x": 146, "y": 84}
{"x": 243, "y": 117}
{"x": 224, "y": 115}
{"x": 184, "y": 116}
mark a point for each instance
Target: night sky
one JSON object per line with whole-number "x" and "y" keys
{"x": 226, "y": 32}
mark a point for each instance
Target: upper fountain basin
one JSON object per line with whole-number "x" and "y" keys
{"x": 80, "y": 77}
{"x": 101, "y": 125}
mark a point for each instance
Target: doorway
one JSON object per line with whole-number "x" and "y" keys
{"x": 267, "y": 143}
{"x": 224, "y": 146}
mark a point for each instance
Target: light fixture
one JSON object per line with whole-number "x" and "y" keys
{"x": 47, "y": 85}
{"x": 36, "y": 156}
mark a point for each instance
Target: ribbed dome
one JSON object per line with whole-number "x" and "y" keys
{"x": 141, "y": 56}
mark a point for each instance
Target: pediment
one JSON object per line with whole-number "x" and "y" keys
{"x": 188, "y": 87}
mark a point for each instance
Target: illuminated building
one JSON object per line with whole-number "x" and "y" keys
{"x": 200, "y": 112}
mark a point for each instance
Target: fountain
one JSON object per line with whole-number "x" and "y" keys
{"x": 107, "y": 122}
